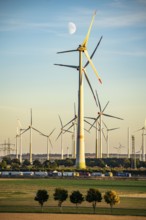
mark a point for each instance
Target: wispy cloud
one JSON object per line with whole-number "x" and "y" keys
{"x": 128, "y": 53}
{"x": 11, "y": 25}
{"x": 124, "y": 20}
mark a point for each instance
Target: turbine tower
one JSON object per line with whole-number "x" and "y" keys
{"x": 80, "y": 158}
{"x": 48, "y": 140}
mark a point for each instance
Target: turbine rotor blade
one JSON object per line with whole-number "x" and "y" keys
{"x": 93, "y": 52}
{"x": 71, "y": 66}
{"x": 67, "y": 51}
{"x": 50, "y": 143}
{"x": 91, "y": 118}
{"x": 36, "y": 130}
{"x": 94, "y": 122}
{"x": 90, "y": 86}
{"x": 43, "y": 134}
{"x": 112, "y": 116}
{"x": 88, "y": 123}
{"x": 25, "y": 131}
{"x": 31, "y": 116}
{"x": 75, "y": 109}
{"x": 111, "y": 129}
{"x": 58, "y": 135}
{"x": 98, "y": 101}
{"x": 51, "y": 132}
{"x": 67, "y": 131}
{"x": 70, "y": 127}
{"x": 92, "y": 65}
{"x": 70, "y": 121}
{"x": 84, "y": 44}
{"x": 60, "y": 121}
{"x": 105, "y": 125}
{"x": 105, "y": 106}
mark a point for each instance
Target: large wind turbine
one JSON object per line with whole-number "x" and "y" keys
{"x": 30, "y": 128}
{"x": 48, "y": 140}
{"x": 100, "y": 116}
{"x": 80, "y": 159}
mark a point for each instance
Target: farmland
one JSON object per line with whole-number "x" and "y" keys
{"x": 17, "y": 195}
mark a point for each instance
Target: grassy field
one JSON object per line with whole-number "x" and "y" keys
{"x": 17, "y": 195}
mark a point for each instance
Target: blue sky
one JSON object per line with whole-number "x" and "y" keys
{"x": 31, "y": 34}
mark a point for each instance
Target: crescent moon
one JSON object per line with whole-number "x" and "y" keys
{"x": 71, "y": 28}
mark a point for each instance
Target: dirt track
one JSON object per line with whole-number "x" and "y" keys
{"x": 17, "y": 216}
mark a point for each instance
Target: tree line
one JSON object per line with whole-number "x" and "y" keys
{"x": 104, "y": 165}
{"x": 92, "y": 196}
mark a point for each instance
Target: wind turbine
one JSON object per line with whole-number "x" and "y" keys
{"x": 80, "y": 159}
{"x": 30, "y": 128}
{"x": 143, "y": 140}
{"x": 99, "y": 117}
{"x": 73, "y": 123}
{"x": 119, "y": 150}
{"x": 61, "y": 135}
{"x": 107, "y": 137}
{"x": 48, "y": 141}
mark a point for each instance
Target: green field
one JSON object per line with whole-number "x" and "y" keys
{"x": 17, "y": 195}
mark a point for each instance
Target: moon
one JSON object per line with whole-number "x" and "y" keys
{"x": 71, "y": 28}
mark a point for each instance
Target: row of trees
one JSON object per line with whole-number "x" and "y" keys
{"x": 68, "y": 162}
{"x": 93, "y": 196}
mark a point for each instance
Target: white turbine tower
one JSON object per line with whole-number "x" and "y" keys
{"x": 48, "y": 141}
{"x": 80, "y": 159}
